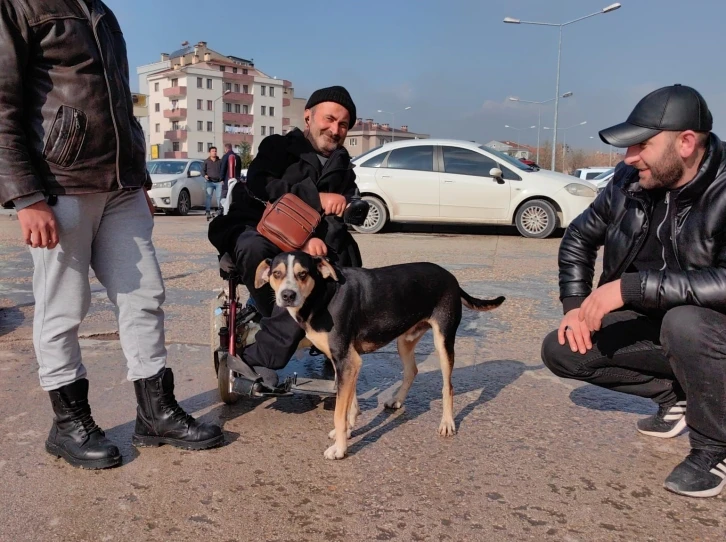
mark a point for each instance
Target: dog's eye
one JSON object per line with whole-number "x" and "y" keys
{"x": 277, "y": 275}
{"x": 302, "y": 275}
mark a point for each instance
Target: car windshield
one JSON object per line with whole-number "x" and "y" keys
{"x": 165, "y": 167}
{"x": 374, "y": 149}
{"x": 508, "y": 159}
{"x": 603, "y": 175}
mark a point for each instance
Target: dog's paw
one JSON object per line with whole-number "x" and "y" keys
{"x": 393, "y": 404}
{"x": 331, "y": 435}
{"x": 447, "y": 428}
{"x": 334, "y": 453}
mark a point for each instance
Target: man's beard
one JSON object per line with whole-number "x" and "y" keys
{"x": 667, "y": 172}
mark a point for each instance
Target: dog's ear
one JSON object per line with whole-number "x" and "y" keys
{"x": 262, "y": 275}
{"x": 326, "y": 270}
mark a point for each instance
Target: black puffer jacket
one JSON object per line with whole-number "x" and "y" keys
{"x": 618, "y": 220}
{"x": 289, "y": 164}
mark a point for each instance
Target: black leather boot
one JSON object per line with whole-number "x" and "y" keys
{"x": 160, "y": 419}
{"x": 75, "y": 436}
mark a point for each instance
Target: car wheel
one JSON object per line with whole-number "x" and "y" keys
{"x": 184, "y": 204}
{"x": 536, "y": 219}
{"x": 377, "y": 216}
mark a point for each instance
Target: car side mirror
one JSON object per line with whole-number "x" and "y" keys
{"x": 496, "y": 174}
{"x": 195, "y": 174}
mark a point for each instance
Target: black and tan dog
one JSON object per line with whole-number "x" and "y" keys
{"x": 356, "y": 311}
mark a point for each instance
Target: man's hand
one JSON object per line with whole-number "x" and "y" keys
{"x": 315, "y": 247}
{"x": 575, "y": 331}
{"x": 602, "y": 301}
{"x": 332, "y": 204}
{"x": 152, "y": 209}
{"x": 37, "y": 223}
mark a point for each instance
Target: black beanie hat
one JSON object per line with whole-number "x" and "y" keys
{"x": 335, "y": 94}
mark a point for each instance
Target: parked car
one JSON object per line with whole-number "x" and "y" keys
{"x": 602, "y": 180}
{"x": 178, "y": 185}
{"x": 589, "y": 173}
{"x": 462, "y": 182}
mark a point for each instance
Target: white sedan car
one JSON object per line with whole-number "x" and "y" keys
{"x": 177, "y": 185}
{"x": 460, "y": 182}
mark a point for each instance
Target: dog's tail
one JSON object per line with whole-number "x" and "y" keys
{"x": 476, "y": 304}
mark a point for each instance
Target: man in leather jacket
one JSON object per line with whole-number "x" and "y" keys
{"x": 315, "y": 166}
{"x": 655, "y": 326}
{"x": 73, "y": 162}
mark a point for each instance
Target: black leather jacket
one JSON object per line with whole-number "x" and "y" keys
{"x": 66, "y": 116}
{"x": 618, "y": 220}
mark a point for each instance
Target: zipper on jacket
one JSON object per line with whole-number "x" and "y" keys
{"x": 633, "y": 253}
{"x": 87, "y": 11}
{"x": 72, "y": 131}
{"x": 674, "y": 233}
{"x": 657, "y": 233}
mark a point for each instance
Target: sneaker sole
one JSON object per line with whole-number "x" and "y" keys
{"x": 88, "y": 464}
{"x": 143, "y": 441}
{"x": 698, "y": 494}
{"x": 677, "y": 429}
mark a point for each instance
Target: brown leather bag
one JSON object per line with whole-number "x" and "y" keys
{"x": 288, "y": 223}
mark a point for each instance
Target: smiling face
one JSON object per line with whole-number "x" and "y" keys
{"x": 293, "y": 276}
{"x": 326, "y": 126}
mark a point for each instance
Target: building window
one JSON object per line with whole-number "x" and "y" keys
{"x": 272, "y": 92}
{"x": 222, "y": 68}
{"x": 200, "y": 82}
{"x": 245, "y": 72}
{"x": 352, "y": 142}
{"x": 200, "y": 126}
{"x": 228, "y": 87}
{"x": 272, "y": 109}
{"x": 245, "y": 109}
{"x": 175, "y": 82}
{"x": 263, "y": 130}
{"x": 200, "y": 147}
{"x": 272, "y": 130}
{"x": 157, "y": 108}
{"x": 263, "y": 90}
{"x": 199, "y": 104}
{"x": 158, "y": 128}
{"x": 175, "y": 125}
{"x": 175, "y": 146}
{"x": 227, "y": 128}
{"x": 174, "y": 104}
{"x": 236, "y": 87}
{"x": 210, "y": 126}
{"x": 245, "y": 89}
{"x": 209, "y": 146}
{"x": 209, "y": 105}
{"x": 156, "y": 87}
{"x": 234, "y": 70}
{"x": 237, "y": 108}
{"x": 227, "y": 107}
{"x": 263, "y": 110}
{"x": 209, "y": 83}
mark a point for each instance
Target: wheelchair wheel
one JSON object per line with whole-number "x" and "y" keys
{"x": 225, "y": 381}
{"x": 217, "y": 320}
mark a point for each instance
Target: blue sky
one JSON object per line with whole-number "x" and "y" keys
{"x": 455, "y": 62}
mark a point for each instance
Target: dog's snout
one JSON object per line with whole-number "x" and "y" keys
{"x": 288, "y": 296}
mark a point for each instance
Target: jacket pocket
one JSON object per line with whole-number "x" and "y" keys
{"x": 66, "y": 136}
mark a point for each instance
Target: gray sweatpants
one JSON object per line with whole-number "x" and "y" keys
{"x": 111, "y": 233}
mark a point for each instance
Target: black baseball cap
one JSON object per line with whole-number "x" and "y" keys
{"x": 675, "y": 108}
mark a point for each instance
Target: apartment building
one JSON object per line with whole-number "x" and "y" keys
{"x": 368, "y": 134}
{"x": 198, "y": 98}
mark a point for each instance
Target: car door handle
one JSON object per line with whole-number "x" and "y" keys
{"x": 449, "y": 181}
{"x": 386, "y": 176}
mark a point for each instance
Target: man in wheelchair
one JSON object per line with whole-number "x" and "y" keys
{"x": 315, "y": 166}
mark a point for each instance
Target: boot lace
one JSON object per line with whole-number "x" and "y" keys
{"x": 168, "y": 404}
{"x": 81, "y": 415}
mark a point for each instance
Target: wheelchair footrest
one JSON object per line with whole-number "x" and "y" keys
{"x": 314, "y": 386}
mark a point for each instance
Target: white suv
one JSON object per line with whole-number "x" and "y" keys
{"x": 589, "y": 173}
{"x": 460, "y": 182}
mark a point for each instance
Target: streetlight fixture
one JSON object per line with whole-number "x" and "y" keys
{"x": 511, "y": 20}
{"x": 564, "y": 135}
{"x": 393, "y": 120}
{"x": 539, "y": 114}
{"x": 518, "y": 130}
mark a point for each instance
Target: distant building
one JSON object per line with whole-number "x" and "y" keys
{"x": 513, "y": 149}
{"x": 368, "y": 134}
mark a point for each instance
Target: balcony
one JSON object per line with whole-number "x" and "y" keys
{"x": 175, "y": 114}
{"x": 176, "y": 154}
{"x": 285, "y": 121}
{"x": 239, "y": 97}
{"x": 237, "y": 118}
{"x": 237, "y": 139}
{"x": 238, "y": 77}
{"x": 175, "y": 92}
{"x": 176, "y": 135}
{"x": 286, "y": 102}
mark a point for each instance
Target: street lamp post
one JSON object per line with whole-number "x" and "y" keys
{"x": 564, "y": 136}
{"x": 539, "y": 116}
{"x": 215, "y": 109}
{"x": 393, "y": 121}
{"x": 511, "y": 20}
{"x": 518, "y": 130}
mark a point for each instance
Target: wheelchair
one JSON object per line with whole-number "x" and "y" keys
{"x": 234, "y": 326}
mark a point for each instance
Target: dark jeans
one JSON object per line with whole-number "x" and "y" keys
{"x": 682, "y": 355}
{"x": 279, "y": 334}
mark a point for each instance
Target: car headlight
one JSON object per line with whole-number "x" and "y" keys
{"x": 165, "y": 184}
{"x": 577, "y": 189}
